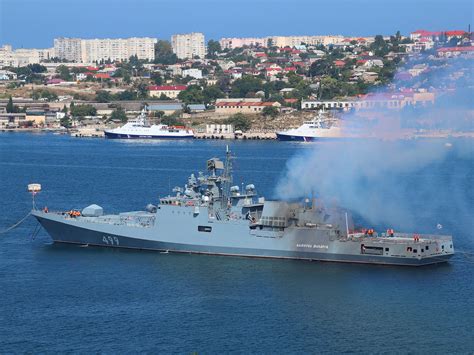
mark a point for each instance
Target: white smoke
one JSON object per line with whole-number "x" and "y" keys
{"x": 395, "y": 182}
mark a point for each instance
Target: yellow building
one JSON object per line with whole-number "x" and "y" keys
{"x": 233, "y": 107}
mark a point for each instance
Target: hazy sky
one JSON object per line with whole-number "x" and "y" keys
{"x": 34, "y": 23}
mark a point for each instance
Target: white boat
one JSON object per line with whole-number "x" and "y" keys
{"x": 140, "y": 129}
{"x": 317, "y": 129}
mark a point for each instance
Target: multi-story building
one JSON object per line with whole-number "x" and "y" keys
{"x": 189, "y": 45}
{"x": 292, "y": 41}
{"x": 96, "y": 50}
{"x": 231, "y": 43}
{"x": 23, "y": 57}
{"x": 68, "y": 49}
{"x": 280, "y": 41}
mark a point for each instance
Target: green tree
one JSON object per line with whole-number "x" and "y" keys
{"x": 321, "y": 67}
{"x": 37, "y": 68}
{"x": 211, "y": 93}
{"x": 240, "y": 122}
{"x": 270, "y": 111}
{"x": 65, "y": 122}
{"x": 10, "y": 106}
{"x": 192, "y": 95}
{"x": 164, "y": 53}
{"x": 64, "y": 73}
{"x": 125, "y": 95}
{"x": 172, "y": 120}
{"x": 142, "y": 90}
{"x": 83, "y": 110}
{"x": 156, "y": 78}
{"x": 103, "y": 96}
{"x": 246, "y": 85}
{"x": 118, "y": 115}
{"x": 213, "y": 47}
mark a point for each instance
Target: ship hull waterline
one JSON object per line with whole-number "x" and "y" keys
{"x": 70, "y": 234}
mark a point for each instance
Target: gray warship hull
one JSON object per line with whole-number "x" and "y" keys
{"x": 236, "y": 240}
{"x": 209, "y": 216}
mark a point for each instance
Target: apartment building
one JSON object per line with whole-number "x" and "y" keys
{"x": 189, "y": 45}
{"x": 293, "y": 41}
{"x": 96, "y": 50}
{"x": 68, "y": 49}
{"x": 22, "y": 57}
{"x": 231, "y": 43}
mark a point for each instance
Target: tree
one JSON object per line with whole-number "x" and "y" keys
{"x": 156, "y": 78}
{"x": 10, "y": 106}
{"x": 65, "y": 121}
{"x": 164, "y": 53}
{"x": 83, "y": 110}
{"x": 125, "y": 95}
{"x": 321, "y": 67}
{"x": 271, "y": 111}
{"x": 172, "y": 120}
{"x": 213, "y": 47}
{"x": 118, "y": 115}
{"x": 192, "y": 95}
{"x": 142, "y": 90}
{"x": 211, "y": 93}
{"x": 245, "y": 86}
{"x": 37, "y": 68}
{"x": 64, "y": 72}
{"x": 103, "y": 96}
{"x": 240, "y": 122}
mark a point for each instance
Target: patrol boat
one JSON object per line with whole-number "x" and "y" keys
{"x": 140, "y": 129}
{"x": 210, "y": 215}
{"x": 320, "y": 128}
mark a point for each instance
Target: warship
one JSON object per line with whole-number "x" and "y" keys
{"x": 211, "y": 215}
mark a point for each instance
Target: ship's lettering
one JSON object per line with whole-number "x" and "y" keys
{"x": 110, "y": 240}
{"x": 313, "y": 246}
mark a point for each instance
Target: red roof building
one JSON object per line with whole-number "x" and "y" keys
{"x": 102, "y": 76}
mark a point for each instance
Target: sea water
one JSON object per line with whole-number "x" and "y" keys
{"x": 62, "y": 298}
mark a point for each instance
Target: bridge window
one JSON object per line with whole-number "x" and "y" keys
{"x": 387, "y": 249}
{"x": 204, "y": 229}
{"x": 415, "y": 251}
{"x": 427, "y": 247}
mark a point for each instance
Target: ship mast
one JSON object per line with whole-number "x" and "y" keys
{"x": 226, "y": 177}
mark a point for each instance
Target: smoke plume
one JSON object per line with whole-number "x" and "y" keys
{"x": 389, "y": 177}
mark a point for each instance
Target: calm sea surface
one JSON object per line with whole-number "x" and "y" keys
{"x": 71, "y": 299}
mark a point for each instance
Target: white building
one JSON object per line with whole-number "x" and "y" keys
{"x": 231, "y": 43}
{"x": 22, "y": 57}
{"x": 189, "y": 45}
{"x": 68, "y": 49}
{"x": 95, "y": 50}
{"x": 193, "y": 73}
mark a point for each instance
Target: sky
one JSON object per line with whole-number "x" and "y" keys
{"x": 35, "y": 23}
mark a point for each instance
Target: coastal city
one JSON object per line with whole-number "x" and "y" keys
{"x": 232, "y": 87}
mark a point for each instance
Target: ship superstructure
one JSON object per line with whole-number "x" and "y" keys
{"x": 319, "y": 128}
{"x": 139, "y": 128}
{"x": 211, "y": 215}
